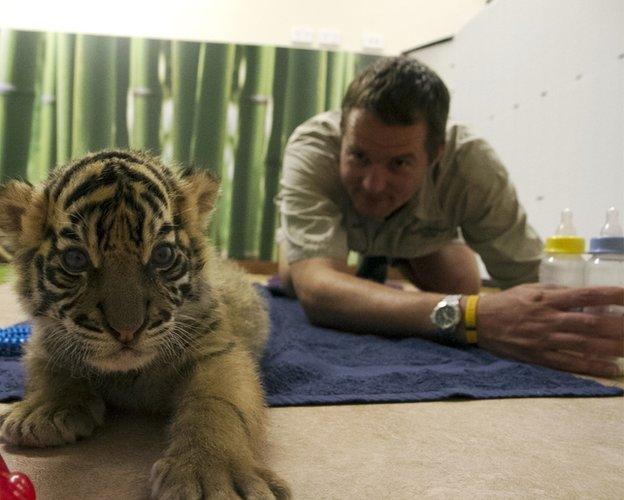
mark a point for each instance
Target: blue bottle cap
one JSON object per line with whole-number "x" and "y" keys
{"x": 607, "y": 244}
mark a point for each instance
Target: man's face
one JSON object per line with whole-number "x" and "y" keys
{"x": 381, "y": 166}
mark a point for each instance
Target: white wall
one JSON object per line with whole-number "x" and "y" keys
{"x": 387, "y": 27}
{"x": 543, "y": 82}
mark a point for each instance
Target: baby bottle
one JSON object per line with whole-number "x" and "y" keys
{"x": 563, "y": 262}
{"x": 606, "y": 264}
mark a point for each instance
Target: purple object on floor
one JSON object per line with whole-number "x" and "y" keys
{"x": 306, "y": 365}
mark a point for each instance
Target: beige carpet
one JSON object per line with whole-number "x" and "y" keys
{"x": 568, "y": 448}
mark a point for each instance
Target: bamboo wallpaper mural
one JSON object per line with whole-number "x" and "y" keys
{"x": 227, "y": 108}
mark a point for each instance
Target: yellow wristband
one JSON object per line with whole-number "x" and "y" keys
{"x": 470, "y": 318}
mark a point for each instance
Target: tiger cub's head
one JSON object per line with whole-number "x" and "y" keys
{"x": 108, "y": 251}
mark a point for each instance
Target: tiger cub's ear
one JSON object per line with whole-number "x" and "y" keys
{"x": 200, "y": 189}
{"x": 15, "y": 198}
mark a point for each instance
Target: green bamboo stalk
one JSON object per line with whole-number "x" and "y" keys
{"x": 46, "y": 140}
{"x": 166, "y": 50}
{"x": 64, "y": 95}
{"x": 274, "y": 156}
{"x": 299, "y": 96}
{"x": 18, "y": 58}
{"x": 239, "y": 57}
{"x": 222, "y": 221}
{"x": 364, "y": 60}
{"x": 166, "y": 117}
{"x": 146, "y": 94}
{"x": 247, "y": 181}
{"x": 216, "y": 64}
{"x": 184, "y": 59}
{"x": 94, "y": 94}
{"x": 122, "y": 72}
{"x": 305, "y": 97}
{"x": 214, "y": 84}
{"x": 335, "y": 83}
{"x": 349, "y": 71}
{"x": 35, "y": 129}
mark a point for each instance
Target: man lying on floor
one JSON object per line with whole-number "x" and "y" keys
{"x": 386, "y": 178}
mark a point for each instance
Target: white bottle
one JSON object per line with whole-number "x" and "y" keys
{"x": 563, "y": 263}
{"x": 606, "y": 264}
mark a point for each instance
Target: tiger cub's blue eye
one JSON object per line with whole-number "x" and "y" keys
{"x": 75, "y": 260}
{"x": 162, "y": 256}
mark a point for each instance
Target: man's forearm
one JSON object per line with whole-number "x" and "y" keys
{"x": 339, "y": 300}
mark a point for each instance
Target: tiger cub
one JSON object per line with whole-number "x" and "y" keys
{"x": 131, "y": 308}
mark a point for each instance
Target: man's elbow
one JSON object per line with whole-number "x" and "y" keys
{"x": 283, "y": 271}
{"x": 314, "y": 302}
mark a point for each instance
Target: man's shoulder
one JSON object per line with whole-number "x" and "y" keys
{"x": 311, "y": 157}
{"x": 314, "y": 147}
{"x": 324, "y": 125}
{"x": 459, "y": 136}
{"x": 469, "y": 157}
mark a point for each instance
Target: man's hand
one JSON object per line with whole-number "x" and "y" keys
{"x": 544, "y": 325}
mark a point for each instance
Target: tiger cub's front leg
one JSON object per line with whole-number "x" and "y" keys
{"x": 57, "y": 409}
{"x": 217, "y": 436}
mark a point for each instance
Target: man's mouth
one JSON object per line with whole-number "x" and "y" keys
{"x": 369, "y": 199}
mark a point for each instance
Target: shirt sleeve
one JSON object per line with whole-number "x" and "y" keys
{"x": 311, "y": 218}
{"x": 493, "y": 222}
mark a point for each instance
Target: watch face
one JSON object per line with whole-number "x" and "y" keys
{"x": 446, "y": 317}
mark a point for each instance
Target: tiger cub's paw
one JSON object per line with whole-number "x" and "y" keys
{"x": 188, "y": 477}
{"x": 40, "y": 423}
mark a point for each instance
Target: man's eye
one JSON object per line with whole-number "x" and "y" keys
{"x": 162, "y": 256}
{"x": 398, "y": 163}
{"x": 357, "y": 156}
{"x": 75, "y": 260}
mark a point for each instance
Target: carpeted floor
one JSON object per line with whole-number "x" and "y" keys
{"x": 508, "y": 448}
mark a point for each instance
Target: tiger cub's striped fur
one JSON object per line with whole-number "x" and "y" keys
{"x": 132, "y": 308}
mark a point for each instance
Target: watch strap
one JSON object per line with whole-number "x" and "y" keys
{"x": 452, "y": 300}
{"x": 470, "y": 318}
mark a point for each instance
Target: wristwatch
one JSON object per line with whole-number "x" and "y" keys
{"x": 447, "y": 314}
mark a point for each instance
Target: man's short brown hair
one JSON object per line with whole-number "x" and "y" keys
{"x": 401, "y": 91}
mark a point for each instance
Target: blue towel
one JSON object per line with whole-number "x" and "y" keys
{"x": 305, "y": 365}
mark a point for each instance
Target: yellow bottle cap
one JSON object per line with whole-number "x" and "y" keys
{"x": 565, "y": 244}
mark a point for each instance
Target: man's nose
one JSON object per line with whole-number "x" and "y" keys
{"x": 375, "y": 179}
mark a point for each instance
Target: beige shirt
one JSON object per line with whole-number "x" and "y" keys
{"x": 468, "y": 193}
